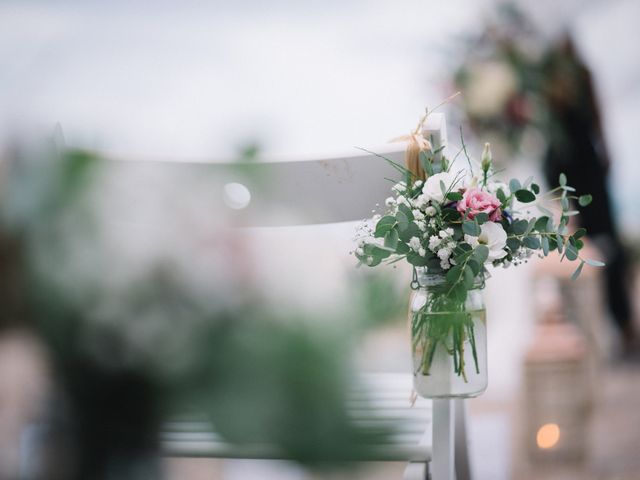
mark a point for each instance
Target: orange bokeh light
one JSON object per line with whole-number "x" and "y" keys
{"x": 548, "y": 435}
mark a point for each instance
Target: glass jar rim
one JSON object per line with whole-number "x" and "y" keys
{"x": 425, "y": 279}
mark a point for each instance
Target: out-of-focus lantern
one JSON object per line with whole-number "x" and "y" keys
{"x": 558, "y": 399}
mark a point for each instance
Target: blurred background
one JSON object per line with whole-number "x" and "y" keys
{"x": 177, "y": 318}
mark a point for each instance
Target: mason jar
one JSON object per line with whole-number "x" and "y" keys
{"x": 449, "y": 339}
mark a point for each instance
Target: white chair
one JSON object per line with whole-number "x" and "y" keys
{"x": 328, "y": 191}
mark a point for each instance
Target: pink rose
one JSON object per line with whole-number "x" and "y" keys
{"x": 477, "y": 202}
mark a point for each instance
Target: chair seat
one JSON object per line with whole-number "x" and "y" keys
{"x": 376, "y": 400}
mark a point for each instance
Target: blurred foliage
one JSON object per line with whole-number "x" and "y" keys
{"x": 499, "y": 72}
{"x": 135, "y": 341}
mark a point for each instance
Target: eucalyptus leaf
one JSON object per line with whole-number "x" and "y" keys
{"x": 595, "y": 263}
{"x": 531, "y": 242}
{"x": 514, "y": 185}
{"x": 481, "y": 218}
{"x": 542, "y": 224}
{"x": 391, "y": 239}
{"x": 584, "y": 200}
{"x": 403, "y": 221}
{"x": 385, "y": 224}
{"x": 471, "y": 228}
{"x": 480, "y": 254}
{"x": 571, "y": 252}
{"x": 545, "y": 245}
{"x": 577, "y": 271}
{"x": 525, "y": 196}
{"x": 581, "y": 232}
{"x": 562, "y": 179}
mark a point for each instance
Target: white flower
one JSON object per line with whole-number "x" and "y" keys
{"x": 359, "y": 252}
{"x": 422, "y": 252}
{"x": 445, "y": 265}
{"x": 430, "y": 211}
{"x": 420, "y": 201}
{"x": 399, "y": 187}
{"x": 415, "y": 244}
{"x": 444, "y": 253}
{"x": 434, "y": 242}
{"x": 402, "y": 199}
{"x": 422, "y": 226}
{"x": 432, "y": 222}
{"x": 418, "y": 215}
{"x": 390, "y": 202}
{"x": 417, "y": 183}
{"x": 432, "y": 189}
{"x": 493, "y": 236}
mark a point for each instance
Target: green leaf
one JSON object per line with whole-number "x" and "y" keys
{"x": 514, "y": 185}
{"x": 443, "y": 188}
{"x": 560, "y": 242}
{"x": 571, "y": 252}
{"x": 535, "y": 188}
{"x": 454, "y": 274}
{"x": 562, "y": 179}
{"x": 450, "y": 214}
{"x": 471, "y": 228}
{"x": 525, "y": 196}
{"x": 531, "y": 242}
{"x": 412, "y": 230}
{"x": 459, "y": 293}
{"x": 480, "y": 254}
{"x": 585, "y": 200}
{"x": 577, "y": 272}
{"x": 501, "y": 196}
{"x": 542, "y": 224}
{"x": 426, "y": 163}
{"x": 403, "y": 221}
{"x": 519, "y": 227}
{"x": 468, "y": 277}
{"x": 454, "y": 196}
{"x": 513, "y": 244}
{"x": 564, "y": 202}
{"x": 391, "y": 239}
{"x": 474, "y": 266}
{"x": 545, "y": 245}
{"x": 595, "y": 263}
{"x": 416, "y": 260}
{"x": 572, "y": 213}
{"x": 581, "y": 232}
{"x": 385, "y": 224}
{"x": 406, "y": 210}
{"x": 402, "y": 248}
{"x": 481, "y": 218}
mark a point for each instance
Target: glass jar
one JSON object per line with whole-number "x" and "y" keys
{"x": 449, "y": 339}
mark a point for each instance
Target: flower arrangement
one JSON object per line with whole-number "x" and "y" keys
{"x": 454, "y": 222}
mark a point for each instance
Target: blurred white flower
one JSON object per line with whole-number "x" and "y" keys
{"x": 493, "y": 236}
{"x": 432, "y": 188}
{"x": 491, "y": 85}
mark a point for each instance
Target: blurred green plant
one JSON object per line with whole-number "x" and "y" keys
{"x": 141, "y": 328}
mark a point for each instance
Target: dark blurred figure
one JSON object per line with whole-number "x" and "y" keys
{"x": 576, "y": 146}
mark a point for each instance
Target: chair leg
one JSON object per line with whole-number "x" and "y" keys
{"x": 443, "y": 439}
{"x": 462, "y": 466}
{"x": 416, "y": 471}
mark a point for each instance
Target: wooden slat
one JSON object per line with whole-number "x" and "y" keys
{"x": 382, "y": 401}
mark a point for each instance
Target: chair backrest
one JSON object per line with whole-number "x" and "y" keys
{"x": 298, "y": 192}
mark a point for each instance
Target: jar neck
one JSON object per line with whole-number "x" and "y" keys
{"x": 426, "y": 280}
